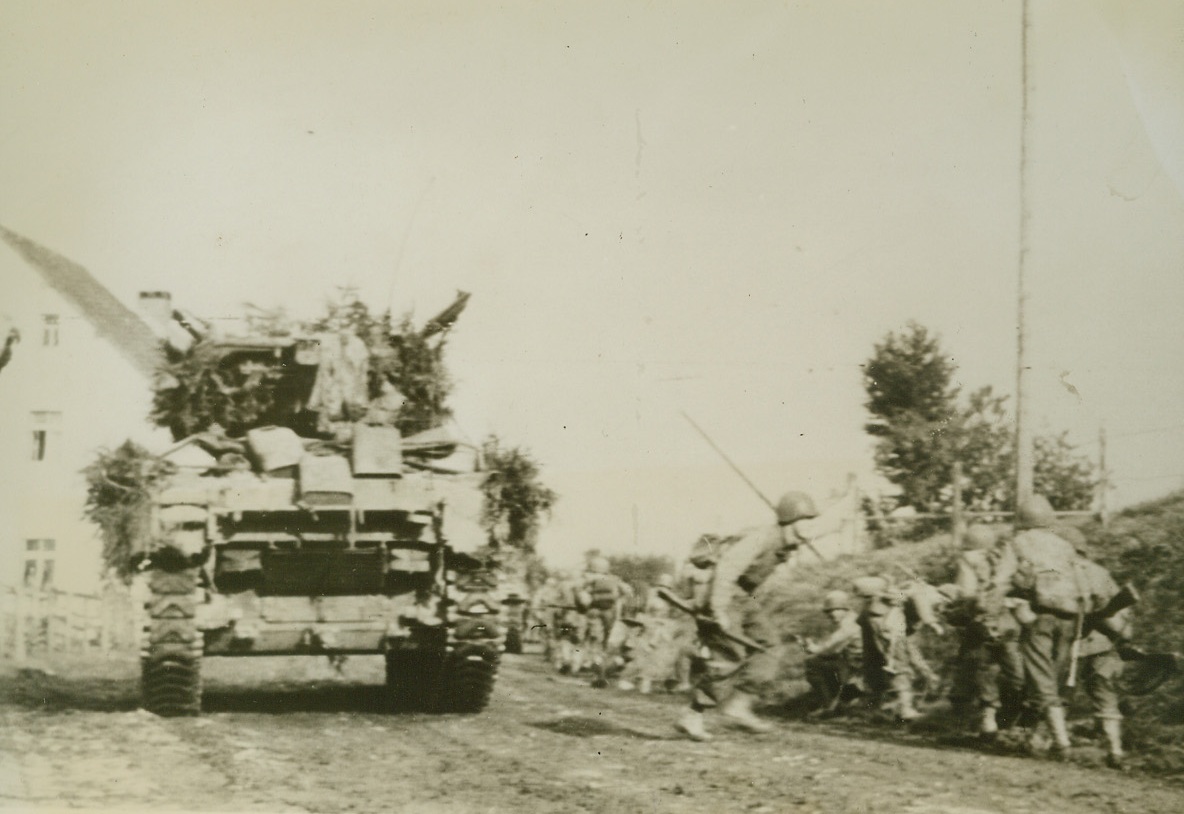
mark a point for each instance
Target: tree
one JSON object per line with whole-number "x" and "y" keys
{"x": 516, "y": 499}
{"x": 120, "y": 485}
{"x": 922, "y": 425}
{"x": 240, "y": 387}
{"x": 641, "y": 571}
{"x": 912, "y": 406}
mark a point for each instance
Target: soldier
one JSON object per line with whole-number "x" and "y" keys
{"x": 602, "y": 594}
{"x": 568, "y": 624}
{"x": 923, "y": 605}
{"x": 1099, "y": 665}
{"x": 656, "y": 651}
{"x": 736, "y": 673}
{"x": 990, "y": 669}
{"x": 835, "y": 664}
{"x": 1046, "y": 575}
{"x": 887, "y": 671}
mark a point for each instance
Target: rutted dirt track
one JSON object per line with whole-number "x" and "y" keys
{"x": 292, "y": 735}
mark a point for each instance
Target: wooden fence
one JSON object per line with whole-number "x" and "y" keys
{"x": 42, "y": 623}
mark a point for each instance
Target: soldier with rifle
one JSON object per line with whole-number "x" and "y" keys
{"x": 1055, "y": 579}
{"x": 732, "y": 625}
{"x": 1096, "y": 659}
{"x": 1044, "y": 574}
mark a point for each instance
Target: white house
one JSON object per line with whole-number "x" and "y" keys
{"x": 78, "y": 380}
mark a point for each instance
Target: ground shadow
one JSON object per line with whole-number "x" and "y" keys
{"x": 35, "y": 689}
{"x": 54, "y": 692}
{"x": 273, "y": 700}
{"x": 580, "y": 727}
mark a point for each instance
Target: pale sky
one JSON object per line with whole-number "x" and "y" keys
{"x": 664, "y": 206}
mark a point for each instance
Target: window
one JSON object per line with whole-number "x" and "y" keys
{"x": 49, "y": 330}
{"x": 45, "y": 424}
{"x": 39, "y": 439}
{"x": 39, "y": 564}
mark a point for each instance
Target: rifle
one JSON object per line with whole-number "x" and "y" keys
{"x": 710, "y": 623}
{"x": 807, "y": 543}
{"x": 1086, "y": 622}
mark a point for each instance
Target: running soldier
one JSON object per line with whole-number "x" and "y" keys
{"x": 603, "y": 594}
{"x": 736, "y": 673}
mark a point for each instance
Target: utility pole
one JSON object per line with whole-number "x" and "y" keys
{"x": 1104, "y": 478}
{"x": 1023, "y": 426}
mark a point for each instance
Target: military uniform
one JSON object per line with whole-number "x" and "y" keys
{"x": 567, "y": 627}
{"x": 887, "y": 669}
{"x": 602, "y": 594}
{"x": 989, "y": 668}
{"x": 1099, "y": 666}
{"x": 733, "y": 676}
{"x": 742, "y": 568}
{"x": 835, "y": 664}
{"x": 1046, "y": 574}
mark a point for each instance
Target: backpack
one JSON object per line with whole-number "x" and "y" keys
{"x": 1051, "y": 573}
{"x": 603, "y": 592}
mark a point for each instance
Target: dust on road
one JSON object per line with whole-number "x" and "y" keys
{"x": 294, "y": 735}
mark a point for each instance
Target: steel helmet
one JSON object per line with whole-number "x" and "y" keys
{"x": 705, "y": 551}
{"x": 665, "y": 581}
{"x": 979, "y": 537}
{"x": 870, "y": 587}
{"x": 1073, "y": 536}
{"x": 794, "y": 506}
{"x": 1034, "y": 513}
{"x": 836, "y": 600}
{"x": 598, "y": 565}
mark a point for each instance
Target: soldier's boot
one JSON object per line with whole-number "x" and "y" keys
{"x": 1061, "y": 744}
{"x": 988, "y": 726}
{"x": 1112, "y": 729}
{"x": 691, "y": 724}
{"x": 905, "y": 710}
{"x": 738, "y": 709}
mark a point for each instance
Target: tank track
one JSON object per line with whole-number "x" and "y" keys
{"x": 467, "y": 679}
{"x": 170, "y": 658}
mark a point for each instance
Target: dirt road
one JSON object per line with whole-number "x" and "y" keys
{"x": 293, "y": 735}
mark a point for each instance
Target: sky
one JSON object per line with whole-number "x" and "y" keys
{"x": 659, "y": 208}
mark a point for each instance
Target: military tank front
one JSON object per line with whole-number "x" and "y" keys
{"x": 357, "y": 542}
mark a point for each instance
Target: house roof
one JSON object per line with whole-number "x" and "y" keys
{"x": 112, "y": 320}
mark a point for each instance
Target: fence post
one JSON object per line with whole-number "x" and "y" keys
{"x": 1104, "y": 479}
{"x": 20, "y": 636}
{"x": 105, "y": 621}
{"x": 958, "y": 524}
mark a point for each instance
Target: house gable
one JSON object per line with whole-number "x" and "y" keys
{"x": 112, "y": 320}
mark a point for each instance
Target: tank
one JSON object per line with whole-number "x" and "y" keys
{"x": 353, "y": 541}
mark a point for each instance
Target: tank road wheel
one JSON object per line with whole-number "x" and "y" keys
{"x": 170, "y": 661}
{"x": 467, "y": 679}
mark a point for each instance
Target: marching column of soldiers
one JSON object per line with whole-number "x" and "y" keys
{"x": 1032, "y": 616}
